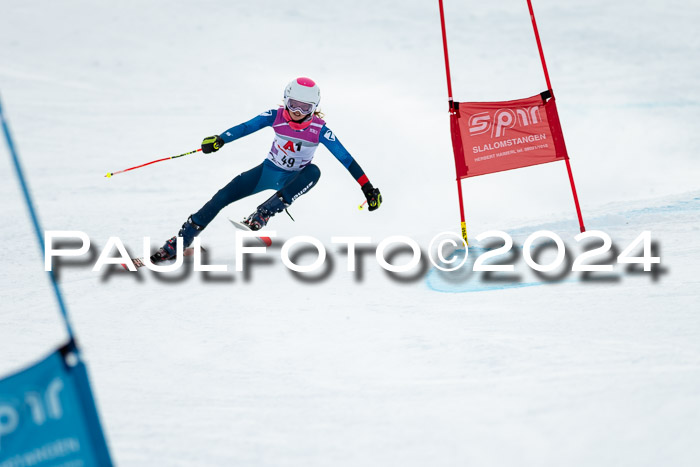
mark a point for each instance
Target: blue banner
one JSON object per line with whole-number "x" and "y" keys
{"x": 48, "y": 415}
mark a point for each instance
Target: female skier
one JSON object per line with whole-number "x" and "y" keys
{"x": 287, "y": 169}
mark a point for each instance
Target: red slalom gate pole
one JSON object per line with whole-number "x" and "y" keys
{"x": 539, "y": 45}
{"x": 450, "y": 100}
{"x": 549, "y": 87}
{"x": 447, "y": 58}
{"x": 573, "y": 190}
{"x": 109, "y": 175}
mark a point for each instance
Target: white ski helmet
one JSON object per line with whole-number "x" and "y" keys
{"x": 303, "y": 95}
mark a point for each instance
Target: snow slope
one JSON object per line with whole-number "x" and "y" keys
{"x": 360, "y": 369}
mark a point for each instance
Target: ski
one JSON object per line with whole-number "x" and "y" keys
{"x": 139, "y": 262}
{"x": 267, "y": 241}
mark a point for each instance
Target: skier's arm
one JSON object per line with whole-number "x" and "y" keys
{"x": 263, "y": 120}
{"x": 329, "y": 140}
{"x": 214, "y": 143}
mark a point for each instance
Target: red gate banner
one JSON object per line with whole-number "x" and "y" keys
{"x": 492, "y": 137}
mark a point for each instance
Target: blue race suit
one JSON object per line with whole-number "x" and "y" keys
{"x": 290, "y": 176}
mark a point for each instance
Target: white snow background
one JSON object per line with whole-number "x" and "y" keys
{"x": 360, "y": 370}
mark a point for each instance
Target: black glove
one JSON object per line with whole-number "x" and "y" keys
{"x": 374, "y": 197}
{"x": 212, "y": 144}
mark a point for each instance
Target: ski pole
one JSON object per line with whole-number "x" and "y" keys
{"x": 361, "y": 206}
{"x": 152, "y": 162}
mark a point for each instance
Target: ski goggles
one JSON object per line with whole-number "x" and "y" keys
{"x": 299, "y": 106}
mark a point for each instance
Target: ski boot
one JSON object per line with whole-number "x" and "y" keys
{"x": 188, "y": 231}
{"x": 265, "y": 211}
{"x": 166, "y": 252}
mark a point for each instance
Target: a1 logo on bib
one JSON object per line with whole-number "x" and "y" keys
{"x": 329, "y": 135}
{"x": 290, "y": 146}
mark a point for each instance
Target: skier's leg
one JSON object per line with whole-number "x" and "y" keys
{"x": 241, "y": 186}
{"x": 305, "y": 180}
{"x": 294, "y": 186}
